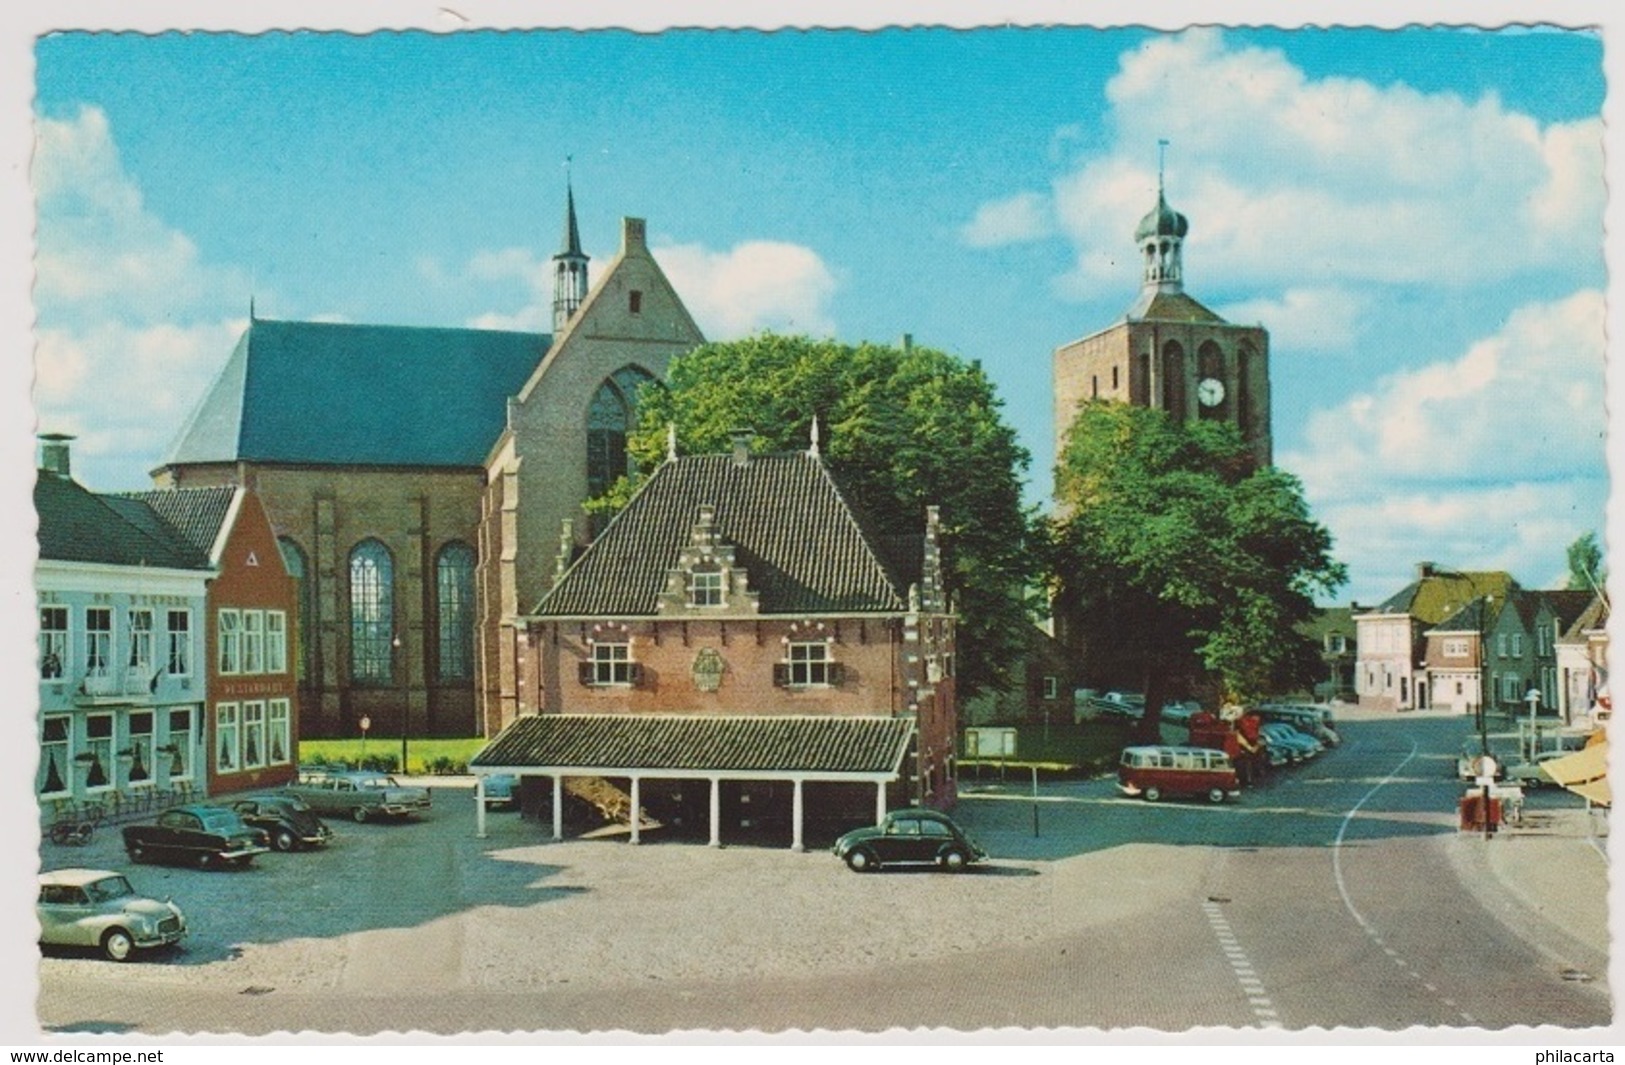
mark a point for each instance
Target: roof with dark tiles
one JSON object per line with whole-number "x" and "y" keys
{"x": 834, "y": 745}
{"x": 1441, "y": 596}
{"x": 76, "y": 525}
{"x": 332, "y": 393}
{"x": 804, "y": 549}
{"x": 196, "y": 515}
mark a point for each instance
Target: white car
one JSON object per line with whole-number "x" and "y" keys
{"x": 97, "y": 908}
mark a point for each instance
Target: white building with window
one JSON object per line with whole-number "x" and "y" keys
{"x": 121, "y": 600}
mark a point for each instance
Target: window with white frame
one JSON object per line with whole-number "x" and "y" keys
{"x": 253, "y": 641}
{"x": 1501, "y": 644}
{"x": 1052, "y": 687}
{"x": 705, "y": 588}
{"x": 230, "y": 636}
{"x": 177, "y": 749}
{"x": 225, "y": 738}
{"x": 1455, "y": 648}
{"x": 1511, "y": 688}
{"x": 611, "y": 663}
{"x": 276, "y": 641}
{"x": 98, "y": 752}
{"x": 278, "y": 732}
{"x": 140, "y": 748}
{"x": 1517, "y": 645}
{"x": 140, "y": 661}
{"x": 1336, "y": 643}
{"x": 809, "y": 665}
{"x": 98, "y": 641}
{"x": 56, "y": 752}
{"x": 180, "y": 643}
{"x": 53, "y": 641}
{"x": 253, "y": 735}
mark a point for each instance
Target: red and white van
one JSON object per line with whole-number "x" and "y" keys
{"x": 1153, "y": 772}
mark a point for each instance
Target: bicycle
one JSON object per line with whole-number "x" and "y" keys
{"x": 73, "y": 833}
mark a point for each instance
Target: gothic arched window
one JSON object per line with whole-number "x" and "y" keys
{"x": 454, "y": 599}
{"x": 1244, "y": 389}
{"x": 1173, "y": 379}
{"x": 610, "y": 416}
{"x": 372, "y": 580}
{"x": 293, "y": 557}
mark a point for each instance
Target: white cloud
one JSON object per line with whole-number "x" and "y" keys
{"x": 130, "y": 327}
{"x": 1017, "y": 219}
{"x": 1296, "y": 181}
{"x": 753, "y": 286}
{"x": 1493, "y": 458}
{"x": 1304, "y": 319}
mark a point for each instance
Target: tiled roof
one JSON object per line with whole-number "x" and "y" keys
{"x": 1439, "y": 596}
{"x": 802, "y": 546}
{"x": 1568, "y": 604}
{"x": 1592, "y": 618}
{"x": 196, "y": 514}
{"x": 739, "y": 744}
{"x": 1170, "y": 307}
{"x": 76, "y": 525}
{"x": 326, "y": 393}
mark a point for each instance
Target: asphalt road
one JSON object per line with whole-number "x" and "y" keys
{"x": 1330, "y": 897}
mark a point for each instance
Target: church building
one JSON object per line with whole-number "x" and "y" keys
{"x": 1169, "y": 352}
{"x": 371, "y": 448}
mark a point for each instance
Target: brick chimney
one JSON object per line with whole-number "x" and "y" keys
{"x": 1424, "y": 570}
{"x": 742, "y": 438}
{"x": 632, "y": 235}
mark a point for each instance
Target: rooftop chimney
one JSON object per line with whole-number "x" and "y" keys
{"x": 632, "y": 234}
{"x": 54, "y": 453}
{"x": 742, "y": 438}
{"x": 907, "y": 342}
{"x": 1424, "y": 570}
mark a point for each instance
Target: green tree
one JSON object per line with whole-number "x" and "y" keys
{"x": 1586, "y": 570}
{"x": 1176, "y": 559}
{"x": 901, "y": 429}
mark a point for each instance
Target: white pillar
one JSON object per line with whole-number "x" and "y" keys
{"x": 880, "y": 801}
{"x": 479, "y": 806}
{"x": 795, "y": 839}
{"x": 558, "y": 807}
{"x": 716, "y": 812}
{"x": 633, "y": 815}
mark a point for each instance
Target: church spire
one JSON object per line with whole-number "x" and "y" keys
{"x": 570, "y": 264}
{"x": 1160, "y": 235}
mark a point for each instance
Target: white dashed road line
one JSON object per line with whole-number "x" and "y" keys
{"x": 1251, "y": 986}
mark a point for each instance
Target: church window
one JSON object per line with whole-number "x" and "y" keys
{"x": 1094, "y": 387}
{"x": 1115, "y": 382}
{"x": 293, "y": 557}
{"x": 610, "y": 416}
{"x": 372, "y": 615}
{"x": 454, "y": 585}
{"x": 1244, "y": 391}
{"x": 1173, "y": 379}
{"x": 634, "y": 302}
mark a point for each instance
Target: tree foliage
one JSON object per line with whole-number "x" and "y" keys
{"x": 901, "y": 429}
{"x": 1586, "y": 569}
{"x": 1176, "y": 557}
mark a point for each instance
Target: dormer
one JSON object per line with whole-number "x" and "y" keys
{"x": 707, "y": 579}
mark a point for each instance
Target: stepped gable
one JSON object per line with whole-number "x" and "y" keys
{"x": 803, "y": 547}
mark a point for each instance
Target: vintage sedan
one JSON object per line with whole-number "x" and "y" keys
{"x": 916, "y": 836}
{"x": 97, "y": 908}
{"x": 204, "y": 836}
{"x": 288, "y": 821}
{"x": 357, "y": 794}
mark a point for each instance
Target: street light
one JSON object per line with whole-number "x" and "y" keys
{"x": 395, "y": 644}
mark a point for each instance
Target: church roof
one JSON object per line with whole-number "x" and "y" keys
{"x": 803, "y": 547}
{"x": 1161, "y": 305}
{"x": 571, "y": 248}
{"x": 326, "y": 393}
{"x": 77, "y": 525}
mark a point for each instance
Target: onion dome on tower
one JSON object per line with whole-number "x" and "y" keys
{"x": 1159, "y": 235}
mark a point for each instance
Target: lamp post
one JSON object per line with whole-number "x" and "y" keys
{"x": 395, "y": 645}
{"x": 1532, "y": 697}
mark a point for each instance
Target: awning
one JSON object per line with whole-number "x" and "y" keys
{"x": 1585, "y": 773}
{"x": 673, "y": 745}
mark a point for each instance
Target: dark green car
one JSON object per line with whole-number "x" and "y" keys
{"x": 915, "y": 836}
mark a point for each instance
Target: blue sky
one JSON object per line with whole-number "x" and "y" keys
{"x": 1415, "y": 215}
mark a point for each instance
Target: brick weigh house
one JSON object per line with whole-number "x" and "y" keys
{"x": 742, "y": 652}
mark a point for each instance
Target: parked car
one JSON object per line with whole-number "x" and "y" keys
{"x": 97, "y": 908}
{"x": 289, "y": 822}
{"x": 1310, "y": 720}
{"x": 915, "y": 836}
{"x": 1532, "y": 774}
{"x": 356, "y": 793}
{"x": 197, "y": 835}
{"x": 1299, "y": 747}
{"x": 1152, "y": 772}
{"x": 501, "y": 791}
